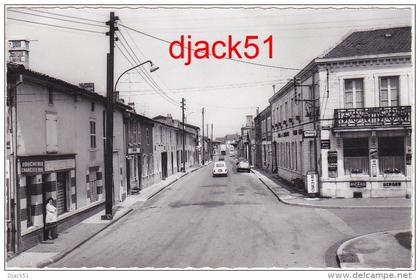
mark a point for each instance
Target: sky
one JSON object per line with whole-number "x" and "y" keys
{"x": 227, "y": 90}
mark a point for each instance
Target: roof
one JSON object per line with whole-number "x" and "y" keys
{"x": 373, "y": 42}
{"x": 13, "y": 68}
{"x": 174, "y": 120}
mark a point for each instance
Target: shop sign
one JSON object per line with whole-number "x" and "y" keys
{"x": 358, "y": 184}
{"x": 312, "y": 182}
{"x": 325, "y": 144}
{"x": 391, "y": 184}
{"x": 35, "y": 166}
{"x": 59, "y": 164}
{"x": 309, "y": 134}
{"x": 133, "y": 150}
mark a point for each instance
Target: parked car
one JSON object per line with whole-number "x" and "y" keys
{"x": 220, "y": 169}
{"x": 243, "y": 166}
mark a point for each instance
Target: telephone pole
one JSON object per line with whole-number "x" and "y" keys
{"x": 109, "y": 181}
{"x": 202, "y": 138}
{"x": 211, "y": 140}
{"x": 183, "y": 133}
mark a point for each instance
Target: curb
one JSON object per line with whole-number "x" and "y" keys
{"x": 342, "y": 257}
{"x": 61, "y": 255}
{"x": 327, "y": 206}
{"x": 64, "y": 253}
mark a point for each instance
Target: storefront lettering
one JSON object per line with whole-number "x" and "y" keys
{"x": 391, "y": 184}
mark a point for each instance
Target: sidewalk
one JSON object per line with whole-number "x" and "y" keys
{"x": 390, "y": 249}
{"x": 49, "y": 252}
{"x": 289, "y": 195}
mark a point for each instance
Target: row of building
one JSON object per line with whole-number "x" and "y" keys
{"x": 342, "y": 126}
{"x": 55, "y": 137}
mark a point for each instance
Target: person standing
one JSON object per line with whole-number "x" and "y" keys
{"x": 50, "y": 218}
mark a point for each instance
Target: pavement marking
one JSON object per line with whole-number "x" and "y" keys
{"x": 335, "y": 221}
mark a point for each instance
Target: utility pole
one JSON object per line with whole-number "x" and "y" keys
{"x": 211, "y": 140}
{"x": 202, "y": 138}
{"x": 208, "y": 146}
{"x": 109, "y": 180}
{"x": 183, "y": 133}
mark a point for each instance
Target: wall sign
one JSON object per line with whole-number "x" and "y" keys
{"x": 309, "y": 134}
{"x": 391, "y": 184}
{"x": 32, "y": 166}
{"x": 325, "y": 144}
{"x": 358, "y": 184}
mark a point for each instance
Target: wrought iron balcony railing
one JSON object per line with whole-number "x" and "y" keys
{"x": 372, "y": 117}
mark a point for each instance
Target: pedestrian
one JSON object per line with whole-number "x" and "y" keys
{"x": 50, "y": 218}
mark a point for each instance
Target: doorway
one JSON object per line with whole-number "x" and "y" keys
{"x": 164, "y": 162}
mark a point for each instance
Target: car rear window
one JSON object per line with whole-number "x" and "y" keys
{"x": 220, "y": 164}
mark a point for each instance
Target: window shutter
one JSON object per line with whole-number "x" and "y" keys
{"x": 51, "y": 131}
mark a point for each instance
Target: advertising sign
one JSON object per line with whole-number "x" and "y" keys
{"x": 312, "y": 181}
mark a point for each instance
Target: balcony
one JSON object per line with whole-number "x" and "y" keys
{"x": 395, "y": 116}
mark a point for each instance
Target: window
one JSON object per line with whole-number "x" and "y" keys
{"x": 92, "y": 107}
{"x": 50, "y": 97}
{"x": 269, "y": 124}
{"x": 286, "y": 111}
{"x": 147, "y": 136}
{"x": 356, "y": 155}
{"x": 92, "y": 134}
{"x": 391, "y": 155}
{"x": 281, "y": 113}
{"x": 51, "y": 132}
{"x": 388, "y": 91}
{"x": 353, "y": 93}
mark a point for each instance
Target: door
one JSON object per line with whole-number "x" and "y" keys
{"x": 164, "y": 165}
{"x": 62, "y": 178}
{"x": 172, "y": 162}
{"x": 140, "y": 169}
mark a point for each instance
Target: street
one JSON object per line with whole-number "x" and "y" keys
{"x": 232, "y": 222}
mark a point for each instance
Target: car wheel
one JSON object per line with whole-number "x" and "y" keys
{"x": 249, "y": 171}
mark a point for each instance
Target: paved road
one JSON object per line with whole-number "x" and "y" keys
{"x": 227, "y": 222}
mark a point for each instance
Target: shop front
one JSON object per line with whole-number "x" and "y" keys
{"x": 40, "y": 178}
{"x": 362, "y": 164}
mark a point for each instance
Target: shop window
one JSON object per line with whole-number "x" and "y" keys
{"x": 356, "y": 155}
{"x": 62, "y": 192}
{"x": 29, "y": 213}
{"x": 391, "y": 155}
{"x": 353, "y": 93}
{"x": 388, "y": 91}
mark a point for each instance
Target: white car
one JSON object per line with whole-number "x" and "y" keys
{"x": 220, "y": 169}
{"x": 243, "y": 166}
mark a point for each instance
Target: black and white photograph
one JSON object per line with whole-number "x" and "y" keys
{"x": 192, "y": 137}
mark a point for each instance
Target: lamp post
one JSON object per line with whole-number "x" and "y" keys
{"x": 109, "y": 178}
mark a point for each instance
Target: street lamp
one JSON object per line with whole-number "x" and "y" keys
{"x": 153, "y": 68}
{"x": 111, "y": 94}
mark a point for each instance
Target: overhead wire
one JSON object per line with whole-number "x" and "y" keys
{"x": 67, "y": 16}
{"x": 141, "y": 74}
{"x": 58, "y": 26}
{"x": 57, "y": 18}
{"x": 226, "y": 58}
{"x": 144, "y": 70}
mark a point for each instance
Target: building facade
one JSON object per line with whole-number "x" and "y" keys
{"x": 347, "y": 117}
{"x": 263, "y": 135}
{"x": 57, "y": 135}
{"x": 139, "y": 155}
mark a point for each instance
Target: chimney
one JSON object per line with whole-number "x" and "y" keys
{"x": 248, "y": 120}
{"x": 169, "y": 117}
{"x": 132, "y": 105}
{"x": 88, "y": 86}
{"x": 19, "y": 51}
{"x": 258, "y": 111}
